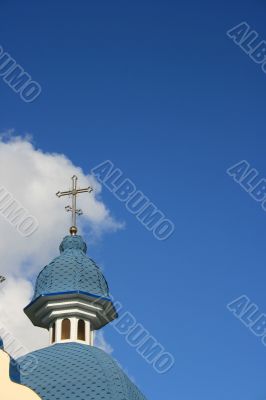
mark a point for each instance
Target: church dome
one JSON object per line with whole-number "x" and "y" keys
{"x": 72, "y": 301}
{"x": 74, "y": 371}
{"x": 72, "y": 271}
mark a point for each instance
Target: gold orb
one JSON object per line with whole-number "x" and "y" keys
{"x": 73, "y": 230}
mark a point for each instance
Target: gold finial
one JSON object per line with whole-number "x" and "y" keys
{"x": 73, "y": 230}
{"x": 74, "y": 192}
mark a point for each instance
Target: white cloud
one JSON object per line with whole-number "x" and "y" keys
{"x": 33, "y": 177}
{"x": 101, "y": 342}
{"x": 18, "y": 333}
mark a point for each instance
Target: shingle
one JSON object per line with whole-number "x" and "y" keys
{"x": 75, "y": 371}
{"x": 71, "y": 271}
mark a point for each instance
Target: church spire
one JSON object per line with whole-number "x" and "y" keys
{"x": 71, "y": 297}
{"x": 74, "y": 192}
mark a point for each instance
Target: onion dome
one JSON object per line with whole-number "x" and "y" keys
{"x": 71, "y": 271}
{"x": 72, "y": 286}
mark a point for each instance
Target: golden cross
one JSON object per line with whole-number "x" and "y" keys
{"x": 74, "y": 192}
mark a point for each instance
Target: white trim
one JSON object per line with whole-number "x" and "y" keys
{"x": 73, "y": 328}
{"x": 58, "y": 330}
{"x": 76, "y": 311}
{"x": 76, "y": 302}
{"x": 51, "y": 332}
{"x": 88, "y": 332}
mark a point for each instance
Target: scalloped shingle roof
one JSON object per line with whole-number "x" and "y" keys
{"x": 73, "y": 371}
{"x": 71, "y": 271}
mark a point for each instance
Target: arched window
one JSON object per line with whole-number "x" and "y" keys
{"x": 81, "y": 330}
{"x": 65, "y": 329}
{"x": 53, "y": 333}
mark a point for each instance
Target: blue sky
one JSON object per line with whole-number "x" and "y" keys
{"x": 158, "y": 88}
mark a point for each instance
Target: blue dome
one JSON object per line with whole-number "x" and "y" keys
{"x": 71, "y": 271}
{"x": 72, "y": 371}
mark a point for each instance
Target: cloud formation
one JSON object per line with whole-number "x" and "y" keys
{"x": 101, "y": 342}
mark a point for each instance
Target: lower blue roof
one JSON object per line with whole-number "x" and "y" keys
{"x": 73, "y": 371}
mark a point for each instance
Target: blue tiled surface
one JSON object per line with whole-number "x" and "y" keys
{"x": 72, "y": 371}
{"x": 71, "y": 271}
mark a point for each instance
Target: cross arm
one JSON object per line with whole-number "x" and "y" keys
{"x": 88, "y": 189}
{"x": 60, "y": 194}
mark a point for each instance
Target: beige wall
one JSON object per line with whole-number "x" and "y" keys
{"x": 8, "y": 389}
